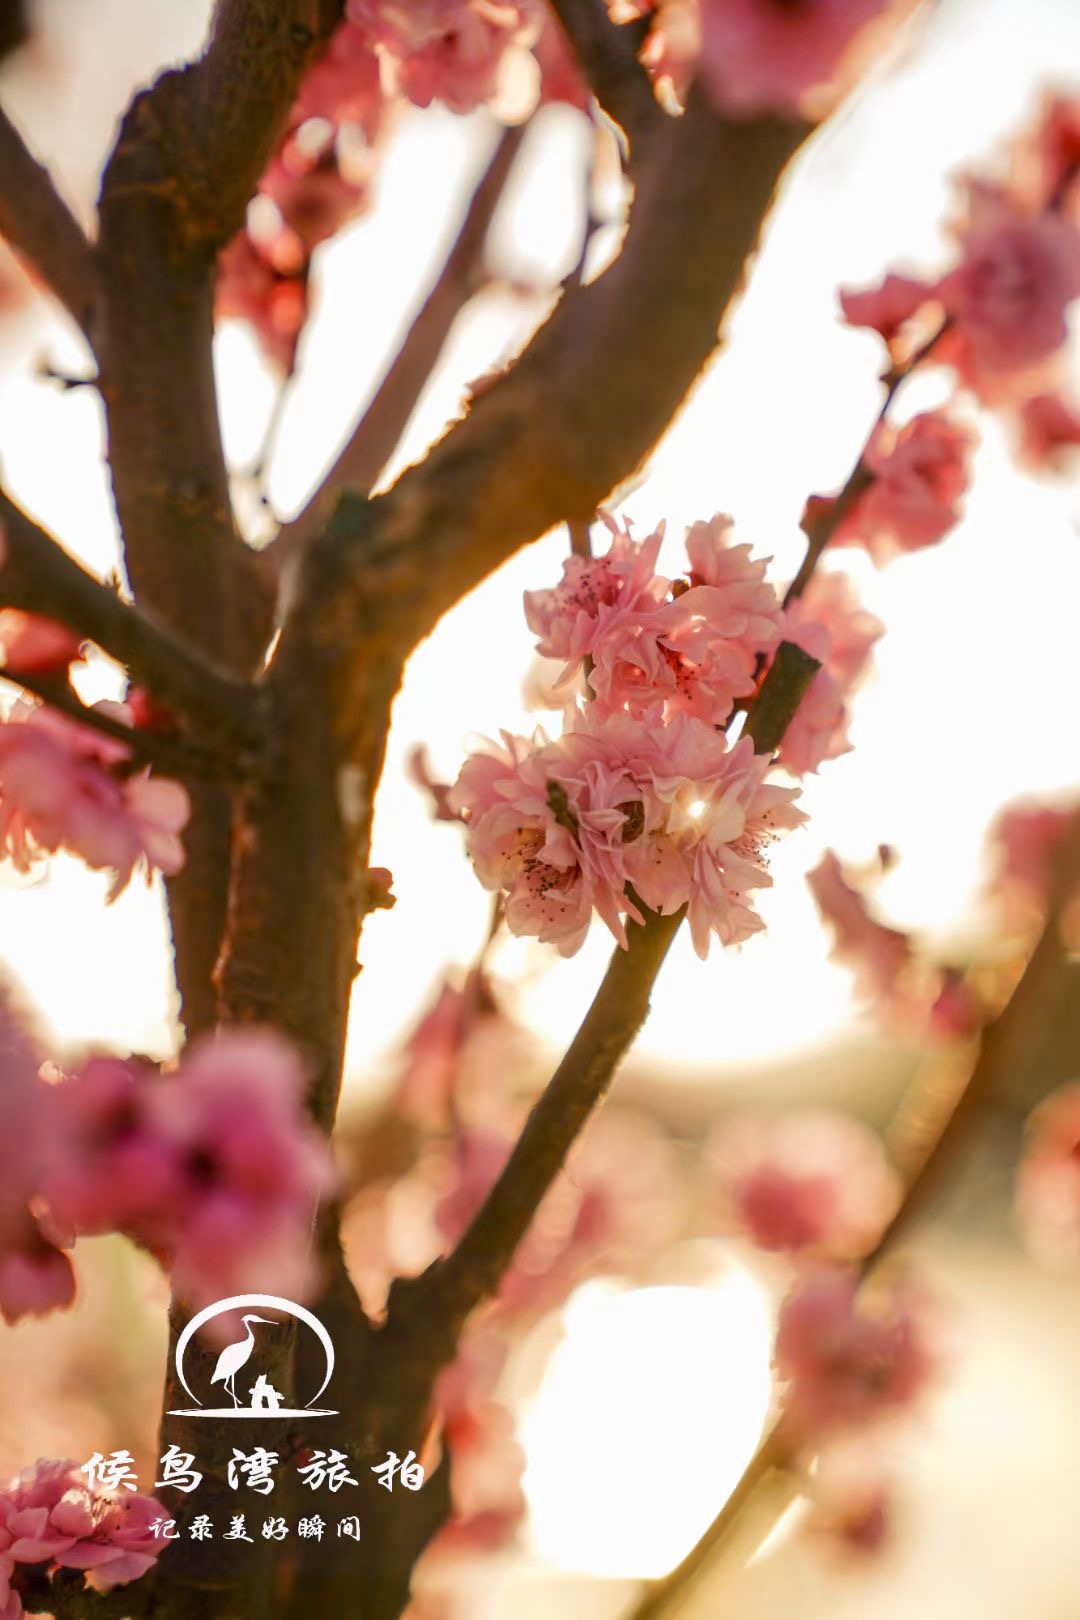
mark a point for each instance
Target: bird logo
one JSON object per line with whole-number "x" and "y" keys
{"x": 264, "y": 1400}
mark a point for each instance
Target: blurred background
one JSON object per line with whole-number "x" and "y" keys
{"x": 638, "y": 1405}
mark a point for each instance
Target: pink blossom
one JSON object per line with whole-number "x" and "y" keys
{"x": 912, "y": 993}
{"x": 1027, "y": 841}
{"x": 594, "y": 594}
{"x": 314, "y": 198}
{"x": 878, "y": 954}
{"x": 462, "y": 1039}
{"x": 798, "y": 1182}
{"x": 1048, "y": 1183}
{"x": 770, "y": 55}
{"x": 848, "y": 1357}
{"x": 343, "y": 84}
{"x": 52, "y": 1515}
{"x": 273, "y": 301}
{"x": 486, "y": 1460}
{"x": 214, "y": 1168}
{"x": 698, "y": 652}
{"x": 1007, "y": 299}
{"x": 828, "y": 623}
{"x": 563, "y": 826}
{"x": 887, "y": 308}
{"x": 612, "y": 1209}
{"x": 919, "y": 474}
{"x": 35, "y": 1276}
{"x": 444, "y": 50}
{"x": 32, "y": 645}
{"x": 60, "y": 787}
{"x": 1049, "y": 433}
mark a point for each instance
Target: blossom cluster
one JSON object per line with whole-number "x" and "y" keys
{"x": 507, "y": 55}
{"x": 51, "y": 1517}
{"x": 212, "y": 1168}
{"x": 64, "y": 784}
{"x": 996, "y": 318}
{"x": 643, "y": 799}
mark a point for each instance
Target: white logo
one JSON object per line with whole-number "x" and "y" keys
{"x": 265, "y": 1400}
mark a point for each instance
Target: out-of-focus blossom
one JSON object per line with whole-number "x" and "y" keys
{"x": 1027, "y": 841}
{"x": 31, "y": 645}
{"x": 1048, "y": 1183}
{"x": 614, "y": 1207}
{"x": 63, "y": 785}
{"x": 35, "y": 1277}
{"x": 52, "y": 1517}
{"x": 486, "y": 1458}
{"x": 773, "y": 55}
{"x": 828, "y": 622}
{"x": 215, "y": 1169}
{"x": 809, "y": 1182}
{"x": 848, "y": 1357}
{"x": 457, "y": 1049}
{"x": 919, "y": 474}
{"x": 442, "y": 50}
{"x": 563, "y": 826}
{"x": 1048, "y": 433}
{"x": 343, "y": 84}
{"x": 1007, "y": 300}
{"x": 912, "y": 993}
{"x": 274, "y": 302}
{"x": 887, "y": 308}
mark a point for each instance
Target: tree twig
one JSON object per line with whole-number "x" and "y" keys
{"x": 925, "y": 1141}
{"x": 37, "y": 223}
{"x": 378, "y": 430}
{"x": 38, "y": 576}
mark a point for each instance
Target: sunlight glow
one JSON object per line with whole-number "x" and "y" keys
{"x": 649, "y": 1411}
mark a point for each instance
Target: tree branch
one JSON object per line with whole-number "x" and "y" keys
{"x": 608, "y": 55}
{"x": 38, "y": 576}
{"x": 38, "y": 224}
{"x": 923, "y": 1144}
{"x": 376, "y": 434}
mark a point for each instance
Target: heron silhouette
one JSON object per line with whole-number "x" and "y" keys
{"x": 233, "y": 1357}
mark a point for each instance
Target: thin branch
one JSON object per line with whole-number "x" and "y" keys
{"x": 378, "y": 431}
{"x": 474, "y": 1270}
{"x": 822, "y": 524}
{"x": 926, "y": 1140}
{"x": 608, "y": 55}
{"x": 171, "y": 754}
{"x": 38, "y": 576}
{"x": 38, "y": 224}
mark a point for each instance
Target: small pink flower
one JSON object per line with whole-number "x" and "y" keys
{"x": 849, "y": 1360}
{"x": 343, "y": 84}
{"x": 1048, "y": 1183}
{"x": 828, "y": 622}
{"x": 443, "y": 50}
{"x": 274, "y": 301}
{"x": 920, "y": 473}
{"x": 49, "y": 1514}
{"x": 878, "y": 954}
{"x": 816, "y": 1182}
{"x": 60, "y": 788}
{"x": 887, "y": 308}
{"x": 1027, "y": 840}
{"x": 594, "y": 593}
{"x": 31, "y": 645}
{"x": 1049, "y": 433}
{"x": 771, "y": 55}
{"x": 698, "y": 652}
{"x": 1008, "y": 298}
{"x": 35, "y": 1276}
